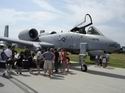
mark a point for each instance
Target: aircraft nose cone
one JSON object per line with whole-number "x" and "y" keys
{"x": 118, "y": 46}
{"x": 115, "y": 46}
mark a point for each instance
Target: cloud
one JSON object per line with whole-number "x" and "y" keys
{"x": 20, "y": 20}
{"x": 102, "y": 11}
{"x": 11, "y": 15}
{"x": 45, "y": 5}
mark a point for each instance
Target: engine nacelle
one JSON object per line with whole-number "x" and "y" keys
{"x": 29, "y": 35}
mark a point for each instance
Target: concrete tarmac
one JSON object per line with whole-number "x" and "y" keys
{"x": 95, "y": 80}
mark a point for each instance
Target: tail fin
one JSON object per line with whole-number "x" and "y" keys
{"x": 6, "y": 32}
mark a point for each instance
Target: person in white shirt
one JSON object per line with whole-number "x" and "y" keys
{"x": 105, "y": 59}
{"x": 8, "y": 54}
{"x": 38, "y": 60}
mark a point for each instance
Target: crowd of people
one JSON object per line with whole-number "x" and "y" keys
{"x": 102, "y": 60}
{"x": 50, "y": 60}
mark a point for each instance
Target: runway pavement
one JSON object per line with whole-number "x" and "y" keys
{"x": 95, "y": 80}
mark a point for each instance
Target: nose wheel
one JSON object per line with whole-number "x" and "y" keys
{"x": 83, "y": 67}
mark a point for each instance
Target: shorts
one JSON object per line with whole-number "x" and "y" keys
{"x": 48, "y": 64}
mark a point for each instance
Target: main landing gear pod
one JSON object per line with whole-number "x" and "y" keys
{"x": 82, "y": 56}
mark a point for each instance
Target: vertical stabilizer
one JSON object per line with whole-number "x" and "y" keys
{"x": 6, "y": 32}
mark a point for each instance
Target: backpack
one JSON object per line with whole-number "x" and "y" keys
{"x": 4, "y": 56}
{"x": 104, "y": 60}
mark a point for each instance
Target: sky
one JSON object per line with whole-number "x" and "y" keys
{"x": 57, "y": 15}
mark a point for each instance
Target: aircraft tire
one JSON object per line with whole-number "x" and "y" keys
{"x": 84, "y": 67}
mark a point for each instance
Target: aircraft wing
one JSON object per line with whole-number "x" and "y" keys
{"x": 26, "y": 43}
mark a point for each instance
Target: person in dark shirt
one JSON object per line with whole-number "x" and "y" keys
{"x": 49, "y": 57}
{"x": 56, "y": 61}
{"x": 20, "y": 62}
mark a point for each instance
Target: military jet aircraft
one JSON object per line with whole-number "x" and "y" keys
{"x": 69, "y": 40}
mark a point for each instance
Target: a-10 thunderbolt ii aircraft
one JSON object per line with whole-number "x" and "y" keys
{"x": 69, "y": 40}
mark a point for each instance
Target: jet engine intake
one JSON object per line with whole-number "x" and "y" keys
{"x": 29, "y": 35}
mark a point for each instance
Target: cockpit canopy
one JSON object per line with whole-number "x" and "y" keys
{"x": 93, "y": 31}
{"x": 81, "y": 28}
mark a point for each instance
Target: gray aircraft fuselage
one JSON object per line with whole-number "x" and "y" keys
{"x": 72, "y": 40}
